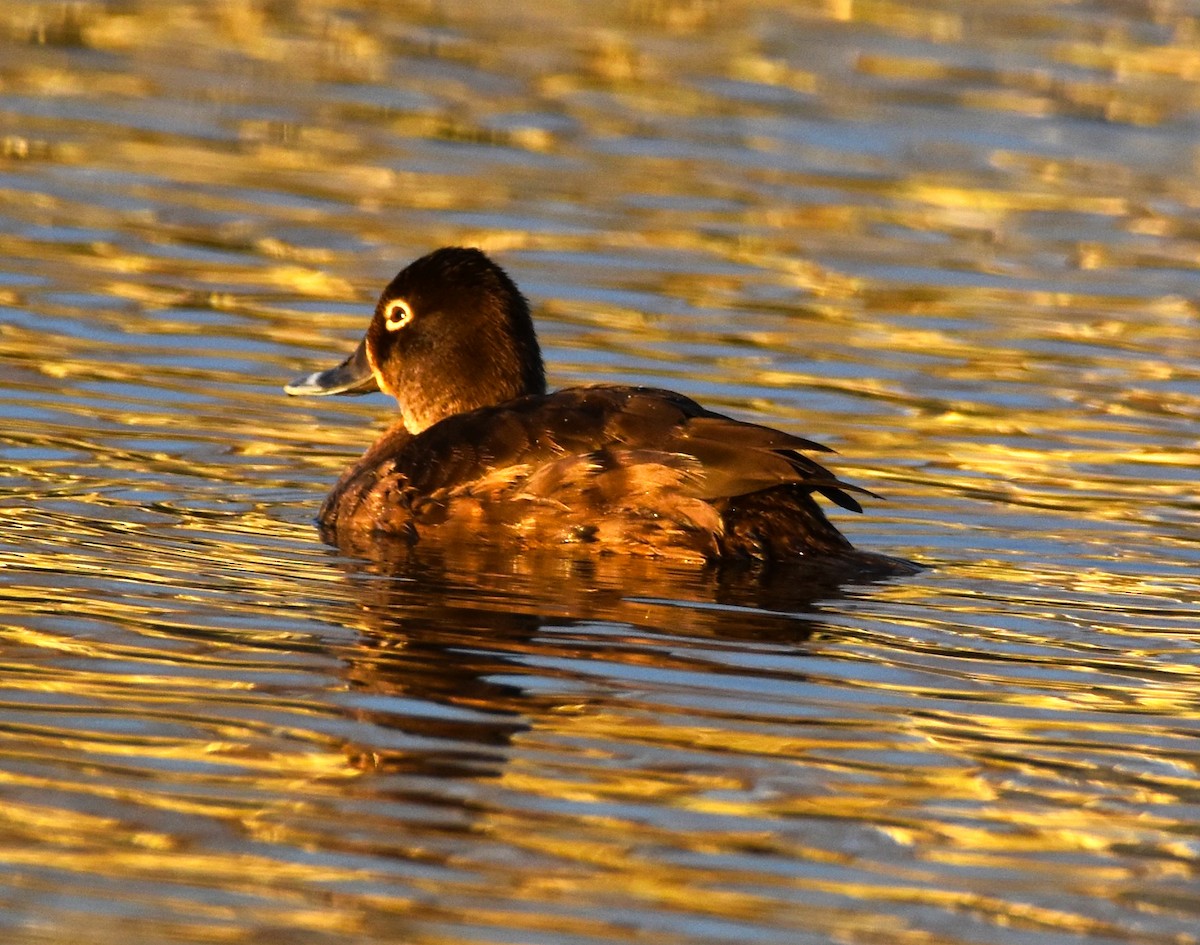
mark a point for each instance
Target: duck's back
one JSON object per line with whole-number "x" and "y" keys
{"x": 633, "y": 469}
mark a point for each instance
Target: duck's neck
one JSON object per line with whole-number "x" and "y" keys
{"x": 481, "y": 382}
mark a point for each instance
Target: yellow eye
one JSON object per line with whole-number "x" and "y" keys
{"x": 396, "y": 314}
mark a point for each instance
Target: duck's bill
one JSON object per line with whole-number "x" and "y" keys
{"x": 352, "y": 376}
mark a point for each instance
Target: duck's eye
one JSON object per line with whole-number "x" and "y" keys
{"x": 396, "y": 314}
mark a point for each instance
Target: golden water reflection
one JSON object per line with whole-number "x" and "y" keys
{"x": 957, "y": 242}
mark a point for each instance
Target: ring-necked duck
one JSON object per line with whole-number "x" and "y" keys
{"x": 484, "y": 451}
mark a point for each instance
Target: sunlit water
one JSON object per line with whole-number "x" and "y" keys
{"x": 958, "y": 242}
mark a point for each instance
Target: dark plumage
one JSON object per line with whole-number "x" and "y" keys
{"x": 484, "y": 453}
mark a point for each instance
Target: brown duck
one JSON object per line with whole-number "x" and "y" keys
{"x": 484, "y": 453}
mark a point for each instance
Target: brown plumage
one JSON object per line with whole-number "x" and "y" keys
{"x": 484, "y": 453}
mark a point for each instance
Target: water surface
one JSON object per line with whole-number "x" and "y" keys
{"x": 957, "y": 242}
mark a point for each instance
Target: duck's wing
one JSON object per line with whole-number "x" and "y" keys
{"x": 739, "y": 458}
{"x": 711, "y": 456}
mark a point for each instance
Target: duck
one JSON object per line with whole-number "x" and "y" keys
{"x": 483, "y": 452}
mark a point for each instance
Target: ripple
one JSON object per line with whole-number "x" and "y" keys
{"x": 957, "y": 244}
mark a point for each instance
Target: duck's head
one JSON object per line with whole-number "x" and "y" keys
{"x": 450, "y": 333}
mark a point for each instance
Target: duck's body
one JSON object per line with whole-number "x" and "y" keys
{"x": 628, "y": 469}
{"x": 484, "y": 453}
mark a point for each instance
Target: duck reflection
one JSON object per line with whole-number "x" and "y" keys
{"x": 447, "y": 633}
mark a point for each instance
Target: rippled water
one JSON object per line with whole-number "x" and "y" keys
{"x": 959, "y": 242}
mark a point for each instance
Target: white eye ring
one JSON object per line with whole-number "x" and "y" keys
{"x": 396, "y": 314}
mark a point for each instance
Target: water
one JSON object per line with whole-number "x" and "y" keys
{"x": 957, "y": 242}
